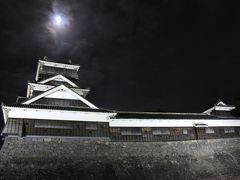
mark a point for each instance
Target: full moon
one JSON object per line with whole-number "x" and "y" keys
{"x": 58, "y": 19}
{"x": 59, "y": 22}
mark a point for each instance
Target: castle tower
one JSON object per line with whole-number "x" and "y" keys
{"x": 55, "y": 105}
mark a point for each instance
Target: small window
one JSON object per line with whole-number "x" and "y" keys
{"x": 131, "y": 131}
{"x": 91, "y": 126}
{"x": 229, "y": 130}
{"x": 185, "y": 131}
{"x": 51, "y": 125}
{"x": 115, "y": 130}
{"x": 161, "y": 131}
{"x": 209, "y": 130}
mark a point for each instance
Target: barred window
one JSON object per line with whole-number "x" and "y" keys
{"x": 209, "y": 130}
{"x": 229, "y": 130}
{"x": 115, "y": 130}
{"x": 13, "y": 126}
{"x": 52, "y": 125}
{"x": 161, "y": 131}
{"x": 51, "y": 69}
{"x": 131, "y": 131}
{"x": 185, "y": 131}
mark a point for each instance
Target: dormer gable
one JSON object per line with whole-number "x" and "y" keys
{"x": 60, "y": 78}
{"x": 220, "y": 106}
{"x": 34, "y": 89}
{"x": 61, "y": 93}
{"x": 220, "y": 103}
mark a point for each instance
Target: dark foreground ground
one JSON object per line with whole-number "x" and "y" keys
{"x": 39, "y": 158}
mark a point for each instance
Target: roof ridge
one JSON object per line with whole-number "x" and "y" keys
{"x": 57, "y": 62}
{"x": 175, "y": 113}
{"x": 19, "y": 105}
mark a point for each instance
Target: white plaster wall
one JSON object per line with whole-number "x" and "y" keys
{"x": 57, "y": 114}
{"x": 171, "y": 122}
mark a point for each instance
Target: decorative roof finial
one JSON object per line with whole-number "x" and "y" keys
{"x": 69, "y": 61}
{"x": 45, "y": 58}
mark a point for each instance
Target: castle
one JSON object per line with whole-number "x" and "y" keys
{"x": 56, "y": 106}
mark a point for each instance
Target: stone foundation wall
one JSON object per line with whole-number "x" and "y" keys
{"x": 74, "y": 158}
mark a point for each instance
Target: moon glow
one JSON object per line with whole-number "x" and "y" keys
{"x": 58, "y": 20}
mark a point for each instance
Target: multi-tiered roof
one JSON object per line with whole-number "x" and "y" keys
{"x": 54, "y": 95}
{"x": 56, "y": 85}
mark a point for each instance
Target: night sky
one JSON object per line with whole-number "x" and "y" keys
{"x": 135, "y": 55}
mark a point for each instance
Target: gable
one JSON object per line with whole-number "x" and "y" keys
{"x": 60, "y": 92}
{"x": 220, "y": 103}
{"x": 34, "y": 88}
{"x": 81, "y": 92}
{"x": 59, "y": 78}
{"x": 220, "y": 106}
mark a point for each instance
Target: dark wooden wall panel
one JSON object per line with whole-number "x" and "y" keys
{"x": 23, "y": 127}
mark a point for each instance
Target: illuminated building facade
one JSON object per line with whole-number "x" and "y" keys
{"x": 56, "y": 106}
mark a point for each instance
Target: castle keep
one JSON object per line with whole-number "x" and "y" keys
{"x": 56, "y": 106}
